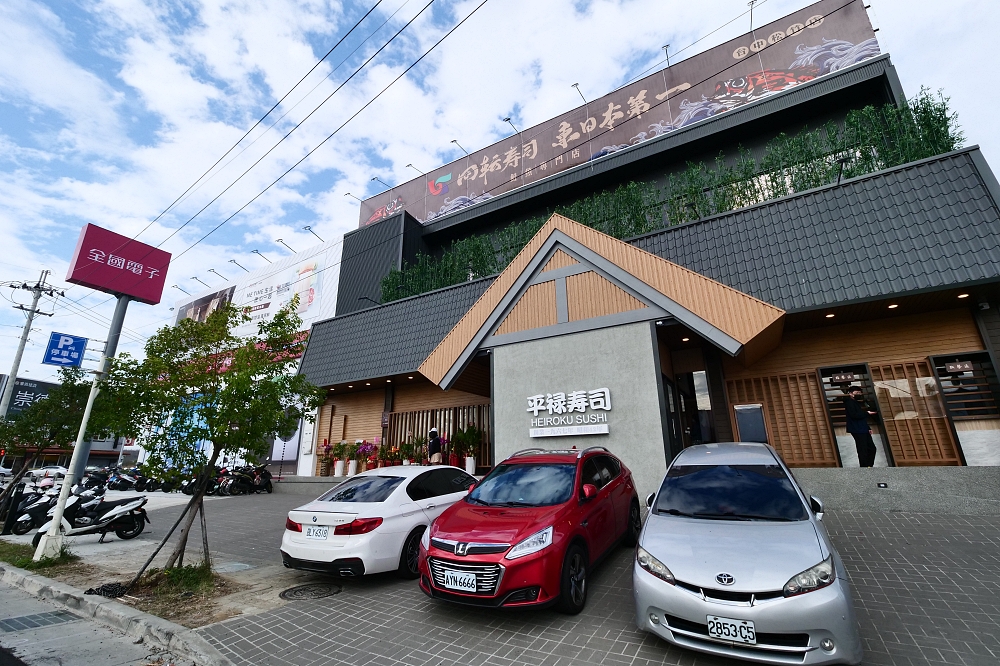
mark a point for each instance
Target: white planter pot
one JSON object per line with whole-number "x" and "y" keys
{"x": 470, "y": 465}
{"x": 352, "y": 468}
{"x": 338, "y": 468}
{"x": 406, "y": 462}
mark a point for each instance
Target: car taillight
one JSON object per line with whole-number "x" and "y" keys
{"x": 358, "y": 526}
{"x": 292, "y": 525}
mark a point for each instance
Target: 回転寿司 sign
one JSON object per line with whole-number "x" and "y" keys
{"x": 116, "y": 264}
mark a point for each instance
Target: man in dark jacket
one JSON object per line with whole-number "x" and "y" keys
{"x": 857, "y": 425}
{"x": 434, "y": 448}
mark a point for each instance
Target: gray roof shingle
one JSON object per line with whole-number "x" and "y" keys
{"x": 386, "y": 340}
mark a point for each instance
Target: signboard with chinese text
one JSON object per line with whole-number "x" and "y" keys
{"x": 574, "y": 413}
{"x": 116, "y": 264}
{"x": 65, "y": 350}
{"x": 822, "y": 38}
{"x": 26, "y": 393}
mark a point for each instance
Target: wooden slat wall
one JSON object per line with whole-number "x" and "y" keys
{"x": 881, "y": 341}
{"x": 559, "y": 259}
{"x": 536, "y": 308}
{"x": 591, "y": 295}
{"x": 796, "y": 420}
{"x": 403, "y": 425}
{"x": 417, "y": 397}
{"x": 915, "y": 424}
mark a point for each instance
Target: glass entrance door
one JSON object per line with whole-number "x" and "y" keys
{"x": 835, "y": 382}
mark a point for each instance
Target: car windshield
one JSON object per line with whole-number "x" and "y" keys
{"x": 730, "y": 492}
{"x": 363, "y": 489}
{"x": 526, "y": 485}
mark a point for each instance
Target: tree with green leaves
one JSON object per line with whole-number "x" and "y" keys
{"x": 202, "y": 393}
{"x": 54, "y": 422}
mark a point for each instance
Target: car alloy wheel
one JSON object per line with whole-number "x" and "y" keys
{"x": 574, "y": 581}
{"x": 411, "y": 554}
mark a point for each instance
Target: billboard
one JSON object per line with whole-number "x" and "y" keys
{"x": 27, "y": 392}
{"x": 267, "y": 290}
{"x": 116, "y": 264}
{"x": 822, "y": 38}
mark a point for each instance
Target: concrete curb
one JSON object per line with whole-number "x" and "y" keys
{"x": 161, "y": 633}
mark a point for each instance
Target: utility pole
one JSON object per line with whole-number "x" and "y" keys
{"x": 37, "y": 290}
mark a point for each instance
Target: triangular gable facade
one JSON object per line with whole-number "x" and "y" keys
{"x": 571, "y": 278}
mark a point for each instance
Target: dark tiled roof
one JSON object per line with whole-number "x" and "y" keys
{"x": 923, "y": 226}
{"x": 386, "y": 340}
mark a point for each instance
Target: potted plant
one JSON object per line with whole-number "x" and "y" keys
{"x": 324, "y": 462}
{"x": 338, "y": 452}
{"x": 418, "y": 450}
{"x": 351, "y": 454}
{"x": 406, "y": 451}
{"x": 466, "y": 444}
{"x": 447, "y": 446}
{"x": 366, "y": 450}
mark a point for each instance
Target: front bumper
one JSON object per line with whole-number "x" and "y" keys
{"x": 789, "y": 630}
{"x": 527, "y": 581}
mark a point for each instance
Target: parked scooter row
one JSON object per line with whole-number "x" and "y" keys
{"x": 236, "y": 481}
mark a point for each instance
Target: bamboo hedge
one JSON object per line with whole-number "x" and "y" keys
{"x": 871, "y": 139}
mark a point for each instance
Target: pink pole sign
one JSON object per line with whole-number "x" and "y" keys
{"x": 116, "y": 264}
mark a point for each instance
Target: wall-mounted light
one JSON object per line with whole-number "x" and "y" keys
{"x": 831, "y": 316}
{"x": 685, "y": 339}
{"x": 963, "y": 295}
{"x": 893, "y": 306}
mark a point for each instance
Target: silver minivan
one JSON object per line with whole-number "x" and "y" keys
{"x": 734, "y": 560}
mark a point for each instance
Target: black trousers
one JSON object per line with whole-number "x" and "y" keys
{"x": 866, "y": 448}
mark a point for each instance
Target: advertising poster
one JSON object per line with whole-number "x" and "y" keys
{"x": 822, "y": 38}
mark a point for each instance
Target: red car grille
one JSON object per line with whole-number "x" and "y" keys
{"x": 488, "y": 576}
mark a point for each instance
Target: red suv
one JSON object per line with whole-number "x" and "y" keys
{"x": 527, "y": 533}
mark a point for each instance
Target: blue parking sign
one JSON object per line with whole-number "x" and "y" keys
{"x": 65, "y": 350}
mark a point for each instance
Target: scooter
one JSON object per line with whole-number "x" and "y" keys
{"x": 32, "y": 512}
{"x": 126, "y": 518}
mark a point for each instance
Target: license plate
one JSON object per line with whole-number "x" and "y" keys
{"x": 459, "y": 580}
{"x": 317, "y": 532}
{"x": 726, "y": 628}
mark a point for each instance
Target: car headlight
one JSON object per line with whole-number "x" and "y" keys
{"x": 425, "y": 538}
{"x": 536, "y": 542}
{"x": 653, "y": 565}
{"x": 813, "y": 578}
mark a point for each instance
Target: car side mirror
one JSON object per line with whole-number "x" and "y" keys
{"x": 817, "y": 506}
{"x": 650, "y": 498}
{"x": 589, "y": 491}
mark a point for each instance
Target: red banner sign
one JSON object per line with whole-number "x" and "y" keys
{"x": 116, "y": 264}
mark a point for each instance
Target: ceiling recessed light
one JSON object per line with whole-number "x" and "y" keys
{"x": 350, "y": 386}
{"x": 963, "y": 295}
{"x": 388, "y": 381}
{"x": 368, "y": 383}
{"x": 410, "y": 377}
{"x": 831, "y": 316}
{"x": 685, "y": 339}
{"x": 893, "y": 306}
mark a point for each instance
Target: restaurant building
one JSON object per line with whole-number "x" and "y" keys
{"x": 746, "y": 324}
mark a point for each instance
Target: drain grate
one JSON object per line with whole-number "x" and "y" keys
{"x": 311, "y": 591}
{"x": 36, "y": 620}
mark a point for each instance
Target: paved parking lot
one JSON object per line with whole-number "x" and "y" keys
{"x": 926, "y": 592}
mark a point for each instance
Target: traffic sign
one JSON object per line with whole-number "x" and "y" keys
{"x": 65, "y": 350}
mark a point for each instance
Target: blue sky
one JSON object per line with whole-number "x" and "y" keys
{"x": 110, "y": 109}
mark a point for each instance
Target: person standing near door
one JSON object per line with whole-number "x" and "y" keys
{"x": 434, "y": 448}
{"x": 857, "y": 424}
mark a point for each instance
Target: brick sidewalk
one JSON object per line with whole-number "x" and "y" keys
{"x": 926, "y": 591}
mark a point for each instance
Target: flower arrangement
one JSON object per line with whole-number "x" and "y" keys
{"x": 365, "y": 450}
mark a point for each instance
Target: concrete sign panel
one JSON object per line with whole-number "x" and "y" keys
{"x": 65, "y": 350}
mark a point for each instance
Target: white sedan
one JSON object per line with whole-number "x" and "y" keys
{"x": 372, "y": 522}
